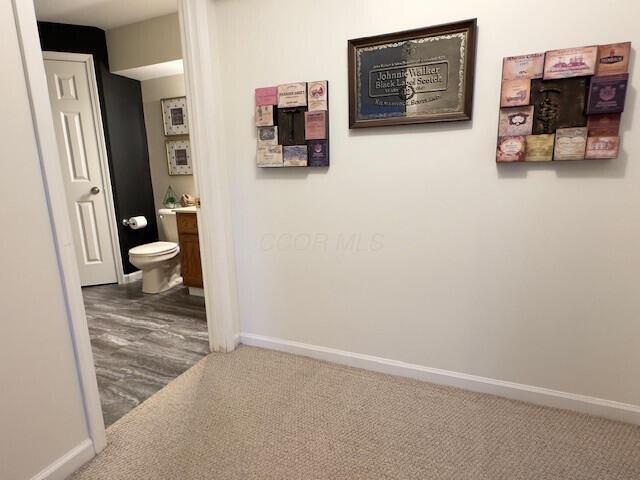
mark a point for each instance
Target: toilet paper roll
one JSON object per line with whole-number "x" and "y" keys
{"x": 137, "y": 223}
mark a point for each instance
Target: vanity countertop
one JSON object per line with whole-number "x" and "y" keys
{"x": 185, "y": 209}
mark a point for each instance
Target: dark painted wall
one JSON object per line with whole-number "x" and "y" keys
{"x": 130, "y": 172}
{"x": 123, "y": 122}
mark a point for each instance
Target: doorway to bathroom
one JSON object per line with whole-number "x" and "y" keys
{"x": 122, "y": 131}
{"x": 141, "y": 342}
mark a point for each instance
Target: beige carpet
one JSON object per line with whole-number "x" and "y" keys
{"x": 258, "y": 414}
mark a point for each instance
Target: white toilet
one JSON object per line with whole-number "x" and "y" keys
{"x": 159, "y": 261}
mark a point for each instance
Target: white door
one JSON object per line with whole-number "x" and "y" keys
{"x": 75, "y": 116}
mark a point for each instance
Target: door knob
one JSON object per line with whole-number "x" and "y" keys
{"x": 95, "y": 190}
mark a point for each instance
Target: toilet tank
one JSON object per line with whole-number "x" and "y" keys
{"x": 168, "y": 225}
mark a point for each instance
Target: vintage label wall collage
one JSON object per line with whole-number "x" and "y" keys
{"x": 293, "y": 125}
{"x": 563, "y": 104}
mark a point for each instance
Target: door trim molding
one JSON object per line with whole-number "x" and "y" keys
{"x": 219, "y": 272}
{"x": 215, "y": 228}
{"x": 43, "y": 129}
{"x": 87, "y": 59}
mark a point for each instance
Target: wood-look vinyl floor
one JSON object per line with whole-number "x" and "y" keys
{"x": 141, "y": 342}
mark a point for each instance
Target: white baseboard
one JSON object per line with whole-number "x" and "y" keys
{"x": 540, "y": 396}
{"x": 132, "y": 277}
{"x": 68, "y": 463}
{"x": 198, "y": 292}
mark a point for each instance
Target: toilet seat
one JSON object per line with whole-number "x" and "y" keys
{"x": 154, "y": 249}
{"x": 160, "y": 265}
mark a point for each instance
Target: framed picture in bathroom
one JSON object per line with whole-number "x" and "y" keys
{"x": 174, "y": 116}
{"x": 179, "y": 157}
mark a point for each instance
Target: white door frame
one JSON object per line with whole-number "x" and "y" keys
{"x": 44, "y": 131}
{"x": 203, "y": 81}
{"x": 87, "y": 59}
{"x": 215, "y": 228}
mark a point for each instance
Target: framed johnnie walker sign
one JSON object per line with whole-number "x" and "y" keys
{"x": 416, "y": 76}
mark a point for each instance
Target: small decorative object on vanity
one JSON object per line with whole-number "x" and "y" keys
{"x": 563, "y": 104}
{"x": 188, "y": 200}
{"x": 417, "y": 76}
{"x": 170, "y": 198}
{"x": 179, "y": 157}
{"x": 293, "y": 125}
{"x": 174, "y": 116}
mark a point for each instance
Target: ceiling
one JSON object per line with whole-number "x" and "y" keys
{"x": 147, "y": 72}
{"x": 104, "y": 14}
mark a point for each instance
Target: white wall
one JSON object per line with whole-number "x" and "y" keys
{"x": 149, "y": 42}
{"x": 526, "y": 273}
{"x": 152, "y": 92}
{"x": 41, "y": 414}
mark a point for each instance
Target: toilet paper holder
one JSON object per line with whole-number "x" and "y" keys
{"x": 135, "y": 223}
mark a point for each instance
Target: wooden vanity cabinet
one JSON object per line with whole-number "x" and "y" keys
{"x": 189, "y": 249}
